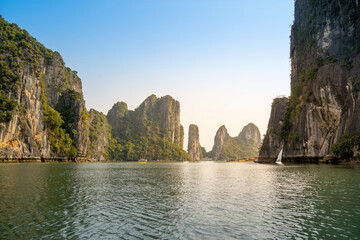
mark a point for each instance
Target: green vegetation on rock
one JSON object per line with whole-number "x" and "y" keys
{"x": 7, "y": 107}
{"x": 300, "y": 95}
{"x": 9, "y": 51}
{"x": 141, "y": 134}
{"x": 246, "y": 144}
{"x": 99, "y": 128}
{"x": 343, "y": 147}
{"x": 23, "y": 55}
{"x": 61, "y": 141}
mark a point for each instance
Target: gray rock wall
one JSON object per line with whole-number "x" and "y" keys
{"x": 99, "y": 135}
{"x": 194, "y": 147}
{"x": 26, "y": 135}
{"x": 325, "y": 82}
{"x": 246, "y": 144}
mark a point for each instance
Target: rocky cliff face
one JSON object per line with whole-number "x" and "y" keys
{"x": 117, "y": 117}
{"x": 35, "y": 84}
{"x": 153, "y": 128}
{"x": 71, "y": 106}
{"x": 194, "y": 148}
{"x": 99, "y": 135}
{"x": 165, "y": 112}
{"x": 246, "y": 144}
{"x": 43, "y": 115}
{"x": 221, "y": 139}
{"x": 250, "y": 133}
{"x": 272, "y": 142}
{"x": 325, "y": 82}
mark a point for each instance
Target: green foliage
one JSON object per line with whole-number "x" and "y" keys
{"x": 300, "y": 95}
{"x": 68, "y": 112}
{"x": 9, "y": 82}
{"x": 60, "y": 140}
{"x": 17, "y": 51}
{"x": 17, "y": 43}
{"x": 137, "y": 136}
{"x": 127, "y": 151}
{"x": 231, "y": 151}
{"x": 346, "y": 62}
{"x": 95, "y": 128}
{"x": 237, "y": 148}
{"x": 115, "y": 150}
{"x": 84, "y": 117}
{"x": 17, "y": 48}
{"x": 343, "y": 147}
{"x": 7, "y": 107}
{"x": 295, "y": 138}
{"x": 331, "y": 59}
{"x": 153, "y": 148}
{"x": 203, "y": 152}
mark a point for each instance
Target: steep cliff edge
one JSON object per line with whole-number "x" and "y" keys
{"x": 35, "y": 89}
{"x": 99, "y": 135}
{"x": 325, "y": 83}
{"x": 246, "y": 144}
{"x": 194, "y": 147}
{"x": 250, "y": 134}
{"x": 151, "y": 131}
{"x": 272, "y": 142}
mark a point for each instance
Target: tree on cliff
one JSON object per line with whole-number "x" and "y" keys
{"x": 343, "y": 148}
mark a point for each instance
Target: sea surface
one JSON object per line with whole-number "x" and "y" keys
{"x": 206, "y": 200}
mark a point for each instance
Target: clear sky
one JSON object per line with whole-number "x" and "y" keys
{"x": 224, "y": 60}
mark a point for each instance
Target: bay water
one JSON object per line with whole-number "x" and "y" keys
{"x": 204, "y": 200}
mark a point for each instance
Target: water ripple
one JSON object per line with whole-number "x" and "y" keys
{"x": 179, "y": 201}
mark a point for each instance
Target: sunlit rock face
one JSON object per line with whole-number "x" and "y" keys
{"x": 194, "y": 148}
{"x": 36, "y": 76}
{"x": 250, "y": 133}
{"x": 272, "y": 141}
{"x": 246, "y": 144}
{"x": 325, "y": 83}
{"x": 160, "y": 113}
{"x": 153, "y": 128}
{"x": 99, "y": 135}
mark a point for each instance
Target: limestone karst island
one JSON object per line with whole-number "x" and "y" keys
{"x": 183, "y": 119}
{"x": 44, "y": 118}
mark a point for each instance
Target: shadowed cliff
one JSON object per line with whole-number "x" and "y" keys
{"x": 322, "y": 117}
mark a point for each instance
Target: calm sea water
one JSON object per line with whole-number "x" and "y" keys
{"x": 204, "y": 200}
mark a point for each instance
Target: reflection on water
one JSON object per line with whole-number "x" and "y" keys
{"x": 175, "y": 200}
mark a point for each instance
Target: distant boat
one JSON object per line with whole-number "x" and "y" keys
{"x": 142, "y": 161}
{"x": 280, "y": 156}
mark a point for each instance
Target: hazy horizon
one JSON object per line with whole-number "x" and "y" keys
{"x": 224, "y": 61}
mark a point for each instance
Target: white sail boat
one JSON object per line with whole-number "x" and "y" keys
{"x": 280, "y": 156}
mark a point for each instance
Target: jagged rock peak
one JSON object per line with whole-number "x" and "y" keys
{"x": 149, "y": 102}
{"x": 153, "y": 127}
{"x": 118, "y": 111}
{"x": 232, "y": 148}
{"x": 194, "y": 147}
{"x": 222, "y": 129}
{"x": 250, "y": 133}
{"x": 219, "y": 141}
{"x": 99, "y": 135}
